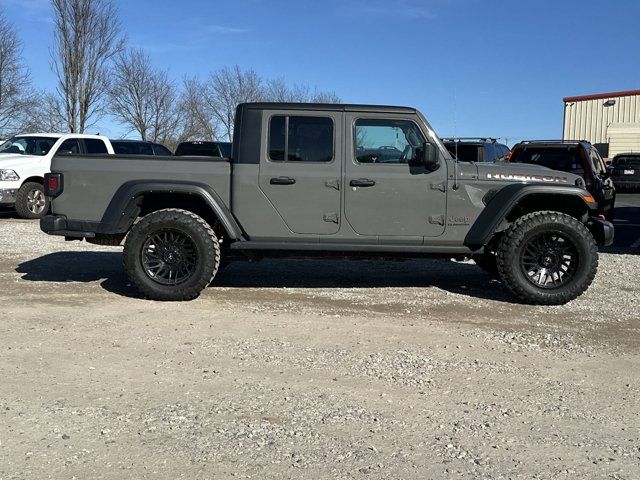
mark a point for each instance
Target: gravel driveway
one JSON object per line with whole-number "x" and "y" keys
{"x": 311, "y": 370}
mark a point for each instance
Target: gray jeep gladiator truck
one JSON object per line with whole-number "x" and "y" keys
{"x": 315, "y": 180}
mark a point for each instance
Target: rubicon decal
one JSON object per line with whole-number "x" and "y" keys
{"x": 527, "y": 178}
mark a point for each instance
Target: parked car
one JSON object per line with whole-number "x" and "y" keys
{"x": 297, "y": 187}
{"x": 624, "y": 170}
{"x": 476, "y": 149}
{"x": 575, "y": 157}
{"x": 139, "y": 147}
{"x": 24, "y": 159}
{"x": 206, "y": 149}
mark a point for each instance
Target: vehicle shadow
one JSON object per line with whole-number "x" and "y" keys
{"x": 461, "y": 278}
{"x": 84, "y": 267}
{"x": 8, "y": 213}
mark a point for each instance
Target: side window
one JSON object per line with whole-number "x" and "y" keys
{"x": 144, "y": 149}
{"x": 598, "y": 164}
{"x": 577, "y": 163}
{"x": 95, "y": 146}
{"x": 300, "y": 139}
{"x": 69, "y": 147}
{"x": 161, "y": 150}
{"x": 386, "y": 141}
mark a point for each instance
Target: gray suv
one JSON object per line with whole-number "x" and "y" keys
{"x": 316, "y": 180}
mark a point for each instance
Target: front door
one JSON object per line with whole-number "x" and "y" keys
{"x": 301, "y": 168}
{"x": 386, "y": 194}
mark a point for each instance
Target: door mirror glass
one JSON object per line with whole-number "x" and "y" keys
{"x": 427, "y": 156}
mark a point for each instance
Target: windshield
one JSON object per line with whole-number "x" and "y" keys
{"x": 132, "y": 148}
{"x": 207, "y": 149}
{"x": 28, "y": 145}
{"x": 563, "y": 159}
{"x": 628, "y": 161}
{"x": 464, "y": 152}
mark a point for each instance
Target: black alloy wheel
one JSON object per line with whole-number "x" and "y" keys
{"x": 169, "y": 257}
{"x": 549, "y": 259}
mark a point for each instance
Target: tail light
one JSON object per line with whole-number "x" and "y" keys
{"x": 53, "y": 184}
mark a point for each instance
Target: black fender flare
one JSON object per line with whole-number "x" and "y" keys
{"x": 125, "y": 204}
{"x": 505, "y": 200}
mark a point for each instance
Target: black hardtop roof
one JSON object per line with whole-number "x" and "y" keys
{"x": 627, "y": 154}
{"x": 469, "y": 140}
{"x": 129, "y": 140}
{"x": 550, "y": 143}
{"x": 333, "y": 107}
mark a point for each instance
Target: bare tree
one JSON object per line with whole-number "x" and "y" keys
{"x": 228, "y": 87}
{"x": 325, "y": 97}
{"x": 209, "y": 108}
{"x": 46, "y": 114}
{"x": 277, "y": 90}
{"x": 17, "y": 97}
{"x": 86, "y": 39}
{"x": 144, "y": 98}
{"x": 198, "y": 119}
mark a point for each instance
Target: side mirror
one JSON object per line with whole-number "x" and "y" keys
{"x": 427, "y": 156}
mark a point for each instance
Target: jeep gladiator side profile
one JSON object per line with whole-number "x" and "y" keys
{"x": 315, "y": 180}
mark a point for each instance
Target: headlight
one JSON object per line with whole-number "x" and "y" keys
{"x": 8, "y": 176}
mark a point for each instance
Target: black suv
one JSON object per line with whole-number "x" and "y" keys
{"x": 574, "y": 156}
{"x": 476, "y": 149}
{"x": 139, "y": 147}
{"x": 625, "y": 170}
{"x": 206, "y": 149}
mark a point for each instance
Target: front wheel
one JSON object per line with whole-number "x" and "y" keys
{"x": 31, "y": 201}
{"x": 171, "y": 255}
{"x": 547, "y": 258}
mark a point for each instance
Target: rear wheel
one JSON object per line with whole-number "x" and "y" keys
{"x": 547, "y": 258}
{"x": 31, "y": 201}
{"x": 171, "y": 255}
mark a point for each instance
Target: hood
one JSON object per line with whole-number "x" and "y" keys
{"x": 524, "y": 172}
{"x": 13, "y": 161}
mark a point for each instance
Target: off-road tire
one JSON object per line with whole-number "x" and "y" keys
{"x": 22, "y": 201}
{"x": 487, "y": 262}
{"x": 200, "y": 233}
{"x": 510, "y": 250}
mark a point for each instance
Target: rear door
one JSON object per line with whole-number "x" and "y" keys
{"x": 385, "y": 195}
{"x": 301, "y": 168}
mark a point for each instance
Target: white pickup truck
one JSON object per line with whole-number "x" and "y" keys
{"x": 24, "y": 159}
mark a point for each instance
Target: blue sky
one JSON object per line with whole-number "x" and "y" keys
{"x": 494, "y": 68}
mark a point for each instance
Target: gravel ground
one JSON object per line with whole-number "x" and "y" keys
{"x": 311, "y": 370}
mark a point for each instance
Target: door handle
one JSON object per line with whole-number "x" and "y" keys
{"x": 282, "y": 181}
{"x": 362, "y": 182}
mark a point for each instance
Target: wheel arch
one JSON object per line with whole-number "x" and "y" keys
{"x": 137, "y": 198}
{"x": 516, "y": 200}
{"x": 34, "y": 179}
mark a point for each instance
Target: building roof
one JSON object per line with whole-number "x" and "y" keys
{"x": 596, "y": 96}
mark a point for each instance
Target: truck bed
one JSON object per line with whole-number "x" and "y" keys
{"x": 97, "y": 178}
